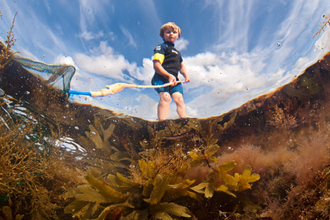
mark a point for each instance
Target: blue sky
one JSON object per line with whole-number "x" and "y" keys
{"x": 234, "y": 50}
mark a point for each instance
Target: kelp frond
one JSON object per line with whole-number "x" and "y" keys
{"x": 153, "y": 187}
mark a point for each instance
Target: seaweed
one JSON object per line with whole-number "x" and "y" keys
{"x": 155, "y": 186}
{"x": 324, "y": 24}
{"x": 101, "y": 196}
{"x": 31, "y": 164}
{"x": 8, "y": 214}
{"x": 6, "y": 51}
{"x": 219, "y": 180}
{"x": 24, "y": 167}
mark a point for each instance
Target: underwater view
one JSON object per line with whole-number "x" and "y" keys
{"x": 80, "y": 134}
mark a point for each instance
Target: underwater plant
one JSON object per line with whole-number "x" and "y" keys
{"x": 325, "y": 23}
{"x": 149, "y": 191}
{"x": 24, "y": 170}
{"x": 154, "y": 185}
{"x": 8, "y": 215}
{"x": 32, "y": 163}
{"x": 34, "y": 169}
{"x": 6, "y": 51}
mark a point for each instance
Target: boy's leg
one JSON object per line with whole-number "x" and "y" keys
{"x": 180, "y": 106}
{"x": 164, "y": 105}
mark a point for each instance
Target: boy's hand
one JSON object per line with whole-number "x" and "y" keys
{"x": 172, "y": 79}
{"x": 187, "y": 79}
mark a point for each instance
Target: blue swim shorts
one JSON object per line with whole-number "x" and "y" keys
{"x": 159, "y": 80}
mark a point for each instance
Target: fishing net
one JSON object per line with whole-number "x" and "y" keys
{"x": 55, "y": 75}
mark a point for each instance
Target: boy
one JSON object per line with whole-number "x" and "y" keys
{"x": 167, "y": 64}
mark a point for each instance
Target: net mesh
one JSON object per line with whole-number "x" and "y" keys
{"x": 55, "y": 75}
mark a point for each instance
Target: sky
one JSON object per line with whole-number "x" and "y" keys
{"x": 234, "y": 50}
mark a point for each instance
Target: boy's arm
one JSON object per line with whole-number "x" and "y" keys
{"x": 160, "y": 70}
{"x": 184, "y": 72}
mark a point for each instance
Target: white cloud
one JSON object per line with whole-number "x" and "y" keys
{"x": 144, "y": 72}
{"x": 91, "y": 36}
{"x": 45, "y": 39}
{"x": 213, "y": 70}
{"x": 129, "y": 36}
{"x": 322, "y": 44}
{"x": 150, "y": 11}
{"x": 103, "y": 61}
{"x": 147, "y": 106}
{"x": 90, "y": 11}
{"x": 64, "y": 60}
{"x": 218, "y": 78}
{"x": 234, "y": 24}
{"x": 25, "y": 53}
{"x": 46, "y": 3}
{"x": 181, "y": 44}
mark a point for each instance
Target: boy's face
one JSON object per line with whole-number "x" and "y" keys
{"x": 171, "y": 35}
